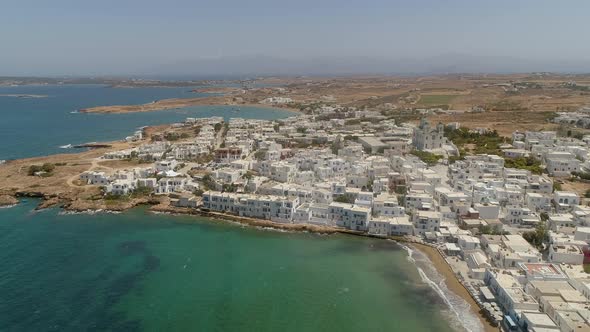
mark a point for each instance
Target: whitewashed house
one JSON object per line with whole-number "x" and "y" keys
{"x": 561, "y": 163}
{"x": 426, "y": 221}
{"x": 94, "y": 178}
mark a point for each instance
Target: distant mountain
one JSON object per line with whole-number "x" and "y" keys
{"x": 234, "y": 66}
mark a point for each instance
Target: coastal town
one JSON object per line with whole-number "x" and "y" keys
{"x": 495, "y": 193}
{"x": 315, "y": 166}
{"x": 516, "y": 239}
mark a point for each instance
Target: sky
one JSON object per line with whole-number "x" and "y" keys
{"x": 78, "y": 37}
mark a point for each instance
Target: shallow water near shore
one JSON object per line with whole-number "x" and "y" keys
{"x": 39, "y": 126}
{"x": 139, "y": 271}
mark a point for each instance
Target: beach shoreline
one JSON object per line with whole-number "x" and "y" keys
{"x": 452, "y": 282}
{"x": 437, "y": 260}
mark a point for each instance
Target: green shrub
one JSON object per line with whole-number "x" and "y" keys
{"x": 488, "y": 143}
{"x": 529, "y": 163}
{"x": 344, "y": 199}
{"x": 430, "y": 159}
{"x": 48, "y": 168}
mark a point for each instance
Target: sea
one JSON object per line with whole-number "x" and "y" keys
{"x": 38, "y": 120}
{"x": 140, "y": 271}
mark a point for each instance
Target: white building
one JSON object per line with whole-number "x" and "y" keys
{"x": 350, "y": 216}
{"x": 275, "y": 208}
{"x": 120, "y": 187}
{"x": 170, "y": 185}
{"x": 95, "y": 178}
{"x": 561, "y": 163}
{"x": 566, "y": 254}
{"x": 427, "y": 137}
{"x": 166, "y": 165}
{"x": 399, "y": 226}
{"x": 565, "y": 200}
{"x": 426, "y": 221}
{"x": 387, "y": 205}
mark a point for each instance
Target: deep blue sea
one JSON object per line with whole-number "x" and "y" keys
{"x": 39, "y": 126}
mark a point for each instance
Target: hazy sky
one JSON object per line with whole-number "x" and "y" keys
{"x": 108, "y": 36}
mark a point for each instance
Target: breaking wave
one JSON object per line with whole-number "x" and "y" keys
{"x": 462, "y": 318}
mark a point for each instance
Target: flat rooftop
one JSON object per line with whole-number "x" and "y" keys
{"x": 546, "y": 270}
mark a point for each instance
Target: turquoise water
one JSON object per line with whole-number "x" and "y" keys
{"x": 143, "y": 272}
{"x": 39, "y": 126}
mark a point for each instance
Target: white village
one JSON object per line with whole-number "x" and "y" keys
{"x": 515, "y": 239}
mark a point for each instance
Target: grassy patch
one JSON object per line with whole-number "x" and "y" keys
{"x": 112, "y": 198}
{"x": 436, "y": 99}
{"x": 505, "y": 106}
{"x": 488, "y": 143}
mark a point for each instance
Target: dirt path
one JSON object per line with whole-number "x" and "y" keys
{"x": 94, "y": 164}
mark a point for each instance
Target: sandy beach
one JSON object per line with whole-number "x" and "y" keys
{"x": 452, "y": 283}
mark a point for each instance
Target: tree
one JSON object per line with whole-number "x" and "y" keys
{"x": 230, "y": 188}
{"x": 430, "y": 159}
{"x": 487, "y": 143}
{"x": 47, "y": 168}
{"x": 539, "y": 236}
{"x": 260, "y": 154}
{"x": 529, "y": 163}
{"x": 208, "y": 182}
{"x": 487, "y": 229}
{"x": 401, "y": 190}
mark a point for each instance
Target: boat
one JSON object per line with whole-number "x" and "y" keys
{"x": 67, "y": 146}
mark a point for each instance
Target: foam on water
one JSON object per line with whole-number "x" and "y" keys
{"x": 88, "y": 212}
{"x": 462, "y": 317}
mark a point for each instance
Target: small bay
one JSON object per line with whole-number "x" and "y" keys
{"x": 138, "y": 271}
{"x": 39, "y": 125}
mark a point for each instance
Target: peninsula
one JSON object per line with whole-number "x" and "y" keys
{"x": 504, "y": 102}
